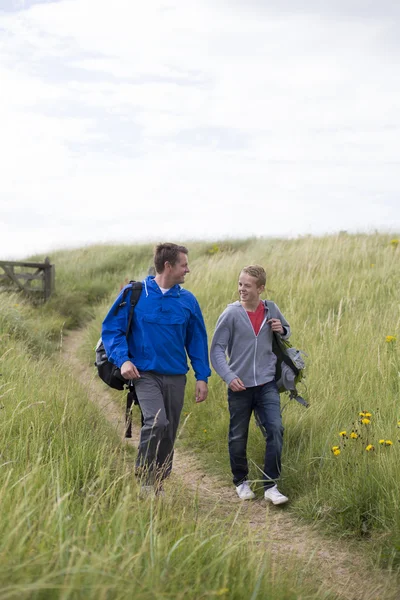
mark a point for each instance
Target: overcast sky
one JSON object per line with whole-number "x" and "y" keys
{"x": 167, "y": 120}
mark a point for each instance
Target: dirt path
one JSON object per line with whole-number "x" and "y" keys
{"x": 338, "y": 567}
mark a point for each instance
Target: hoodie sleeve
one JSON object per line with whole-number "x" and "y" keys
{"x": 196, "y": 344}
{"x": 220, "y": 342}
{"x": 113, "y": 331}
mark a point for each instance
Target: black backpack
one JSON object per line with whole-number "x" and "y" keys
{"x": 109, "y": 373}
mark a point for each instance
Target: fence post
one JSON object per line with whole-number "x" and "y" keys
{"x": 48, "y": 279}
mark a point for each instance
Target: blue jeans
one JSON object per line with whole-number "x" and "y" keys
{"x": 265, "y": 402}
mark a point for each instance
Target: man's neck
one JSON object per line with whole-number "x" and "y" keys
{"x": 163, "y": 281}
{"x": 251, "y": 307}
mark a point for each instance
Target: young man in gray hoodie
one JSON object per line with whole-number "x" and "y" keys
{"x": 244, "y": 333}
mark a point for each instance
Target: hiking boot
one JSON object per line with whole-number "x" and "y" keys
{"x": 273, "y": 495}
{"x": 244, "y": 492}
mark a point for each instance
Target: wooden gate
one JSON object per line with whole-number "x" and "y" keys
{"x": 38, "y": 281}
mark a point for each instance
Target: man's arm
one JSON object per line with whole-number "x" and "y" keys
{"x": 279, "y": 324}
{"x": 219, "y": 344}
{"x": 285, "y": 325}
{"x": 197, "y": 349}
{"x": 113, "y": 331}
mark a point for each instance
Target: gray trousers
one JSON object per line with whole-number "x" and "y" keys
{"x": 161, "y": 400}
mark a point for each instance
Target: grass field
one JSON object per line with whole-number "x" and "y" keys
{"x": 72, "y": 523}
{"x": 341, "y": 297}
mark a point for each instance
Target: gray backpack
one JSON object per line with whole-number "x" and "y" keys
{"x": 290, "y": 364}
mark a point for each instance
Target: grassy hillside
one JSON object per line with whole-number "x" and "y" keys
{"x": 340, "y": 295}
{"x": 73, "y": 525}
{"x": 72, "y": 519}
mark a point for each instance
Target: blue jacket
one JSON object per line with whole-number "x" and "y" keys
{"x": 164, "y": 327}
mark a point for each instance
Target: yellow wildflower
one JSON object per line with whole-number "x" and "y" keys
{"x": 369, "y": 448}
{"x": 334, "y": 448}
{"x": 398, "y": 423}
{"x": 372, "y": 264}
{"x": 354, "y": 435}
{"x": 214, "y": 249}
{"x": 367, "y": 414}
{"x": 390, "y": 339}
{"x": 343, "y": 433}
{"x": 381, "y": 441}
{"x": 394, "y": 243}
{"x": 388, "y": 443}
{"x": 205, "y": 430}
{"x": 365, "y": 421}
{"x": 336, "y": 452}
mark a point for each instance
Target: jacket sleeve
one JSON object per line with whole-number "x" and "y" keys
{"x": 113, "y": 331}
{"x": 196, "y": 344}
{"x": 220, "y": 342}
{"x": 285, "y": 324}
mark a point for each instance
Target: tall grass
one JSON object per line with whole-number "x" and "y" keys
{"x": 75, "y": 520}
{"x": 341, "y": 297}
{"x": 73, "y": 525}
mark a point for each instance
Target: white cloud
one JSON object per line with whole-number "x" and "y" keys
{"x": 192, "y": 119}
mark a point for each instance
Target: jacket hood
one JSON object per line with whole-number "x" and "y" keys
{"x": 150, "y": 281}
{"x": 238, "y": 304}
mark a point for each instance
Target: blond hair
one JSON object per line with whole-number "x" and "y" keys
{"x": 258, "y": 272}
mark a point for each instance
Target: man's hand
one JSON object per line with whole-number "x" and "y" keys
{"x": 276, "y": 325}
{"x": 201, "y": 391}
{"x": 236, "y": 385}
{"x": 129, "y": 371}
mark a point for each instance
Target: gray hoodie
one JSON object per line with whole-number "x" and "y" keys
{"x": 250, "y": 357}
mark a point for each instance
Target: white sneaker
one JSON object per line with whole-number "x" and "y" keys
{"x": 146, "y": 491}
{"x": 273, "y": 495}
{"x": 151, "y": 491}
{"x": 244, "y": 492}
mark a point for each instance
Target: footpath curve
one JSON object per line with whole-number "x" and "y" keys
{"x": 340, "y": 568}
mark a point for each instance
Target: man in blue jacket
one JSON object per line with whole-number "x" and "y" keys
{"x": 167, "y": 323}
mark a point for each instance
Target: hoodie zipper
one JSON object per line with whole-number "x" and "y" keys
{"x": 256, "y": 339}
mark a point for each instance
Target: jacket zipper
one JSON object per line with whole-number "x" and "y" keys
{"x": 256, "y": 339}
{"x": 254, "y": 363}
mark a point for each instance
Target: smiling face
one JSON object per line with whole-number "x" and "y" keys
{"x": 249, "y": 290}
{"x": 179, "y": 270}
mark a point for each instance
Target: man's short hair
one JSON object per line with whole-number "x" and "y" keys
{"x": 167, "y": 253}
{"x": 258, "y": 272}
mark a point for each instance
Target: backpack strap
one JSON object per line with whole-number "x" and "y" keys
{"x": 271, "y": 307}
{"x": 281, "y": 354}
{"x": 277, "y": 343}
{"x": 136, "y": 287}
{"x": 135, "y": 295}
{"x": 132, "y": 397}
